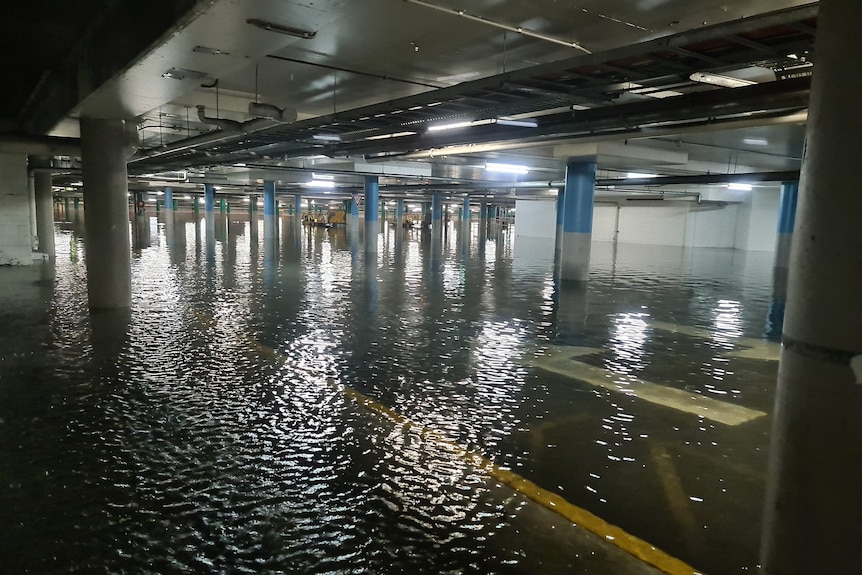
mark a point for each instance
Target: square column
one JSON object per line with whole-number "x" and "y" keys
{"x": 16, "y": 237}
{"x": 104, "y": 154}
{"x": 578, "y": 220}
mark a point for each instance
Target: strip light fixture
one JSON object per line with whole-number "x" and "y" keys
{"x": 506, "y": 168}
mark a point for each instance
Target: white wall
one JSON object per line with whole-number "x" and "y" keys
{"x": 659, "y": 225}
{"x": 604, "y": 222}
{"x": 757, "y": 227}
{"x": 536, "y": 218}
{"x": 747, "y": 222}
{"x": 16, "y": 237}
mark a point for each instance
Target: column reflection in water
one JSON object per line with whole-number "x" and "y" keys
{"x": 141, "y": 232}
{"x": 177, "y": 244}
{"x": 571, "y": 311}
{"x": 209, "y": 226}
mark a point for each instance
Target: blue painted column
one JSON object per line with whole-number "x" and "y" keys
{"x": 399, "y": 210}
{"x": 561, "y": 211}
{"x": 209, "y": 198}
{"x": 169, "y": 198}
{"x": 578, "y": 220}
{"x": 268, "y": 198}
{"x": 465, "y": 211}
{"x": 297, "y": 205}
{"x": 372, "y": 215}
{"x": 436, "y": 210}
{"x": 786, "y": 221}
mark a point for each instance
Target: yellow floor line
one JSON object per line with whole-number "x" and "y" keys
{"x": 678, "y": 503}
{"x": 758, "y": 348}
{"x": 707, "y": 407}
{"x": 639, "y": 548}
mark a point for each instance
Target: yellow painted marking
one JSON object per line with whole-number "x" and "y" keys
{"x": 707, "y": 407}
{"x": 612, "y": 534}
{"x": 678, "y": 502}
{"x": 758, "y": 348}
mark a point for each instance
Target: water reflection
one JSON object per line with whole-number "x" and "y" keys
{"x": 216, "y": 425}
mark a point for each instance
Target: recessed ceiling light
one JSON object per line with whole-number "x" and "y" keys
{"x": 756, "y": 141}
{"x": 739, "y": 187}
{"x": 637, "y": 175}
{"x": 183, "y": 74}
{"x": 271, "y": 27}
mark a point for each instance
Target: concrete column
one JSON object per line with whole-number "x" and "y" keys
{"x": 814, "y": 500}
{"x": 44, "y": 212}
{"x": 786, "y": 220}
{"x": 561, "y": 211}
{"x": 399, "y": 210}
{"x": 297, "y": 204}
{"x": 169, "y": 198}
{"x": 268, "y": 198}
{"x": 222, "y": 205}
{"x": 104, "y": 154}
{"x": 578, "y": 220}
{"x": 209, "y": 198}
{"x": 16, "y": 237}
{"x": 437, "y": 210}
{"x": 483, "y": 211}
{"x": 465, "y": 211}
{"x": 372, "y": 224}
{"x": 252, "y": 203}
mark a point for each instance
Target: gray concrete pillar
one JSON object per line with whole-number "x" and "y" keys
{"x": 104, "y": 154}
{"x": 16, "y": 237}
{"x": 44, "y": 212}
{"x": 814, "y": 500}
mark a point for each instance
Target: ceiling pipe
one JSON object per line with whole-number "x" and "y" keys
{"x": 517, "y": 29}
{"x": 799, "y": 117}
{"x": 222, "y": 123}
{"x": 271, "y": 111}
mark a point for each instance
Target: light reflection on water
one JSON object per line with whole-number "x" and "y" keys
{"x": 207, "y": 429}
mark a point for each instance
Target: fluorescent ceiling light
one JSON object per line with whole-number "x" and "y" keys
{"x": 656, "y": 93}
{"x": 320, "y": 184}
{"x": 456, "y": 125}
{"x": 518, "y": 123}
{"x": 756, "y": 141}
{"x": 327, "y": 137}
{"x": 395, "y": 135}
{"x": 739, "y": 187}
{"x": 506, "y": 168}
{"x": 317, "y": 176}
{"x": 719, "y": 80}
{"x": 637, "y": 175}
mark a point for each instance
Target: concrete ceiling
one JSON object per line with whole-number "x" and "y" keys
{"x": 362, "y": 52}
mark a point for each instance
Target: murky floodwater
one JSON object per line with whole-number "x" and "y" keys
{"x": 215, "y": 428}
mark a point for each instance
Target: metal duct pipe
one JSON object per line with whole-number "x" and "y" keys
{"x": 224, "y": 124}
{"x": 271, "y": 111}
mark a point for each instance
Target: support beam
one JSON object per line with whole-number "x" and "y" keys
{"x": 813, "y": 502}
{"x": 786, "y": 222}
{"x": 104, "y": 153}
{"x": 16, "y": 237}
{"x": 372, "y": 223}
{"x": 268, "y": 198}
{"x": 209, "y": 198}
{"x": 44, "y": 212}
{"x": 578, "y": 220}
{"x": 169, "y": 198}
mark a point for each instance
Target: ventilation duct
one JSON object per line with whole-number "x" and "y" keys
{"x": 262, "y": 110}
{"x": 224, "y": 124}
